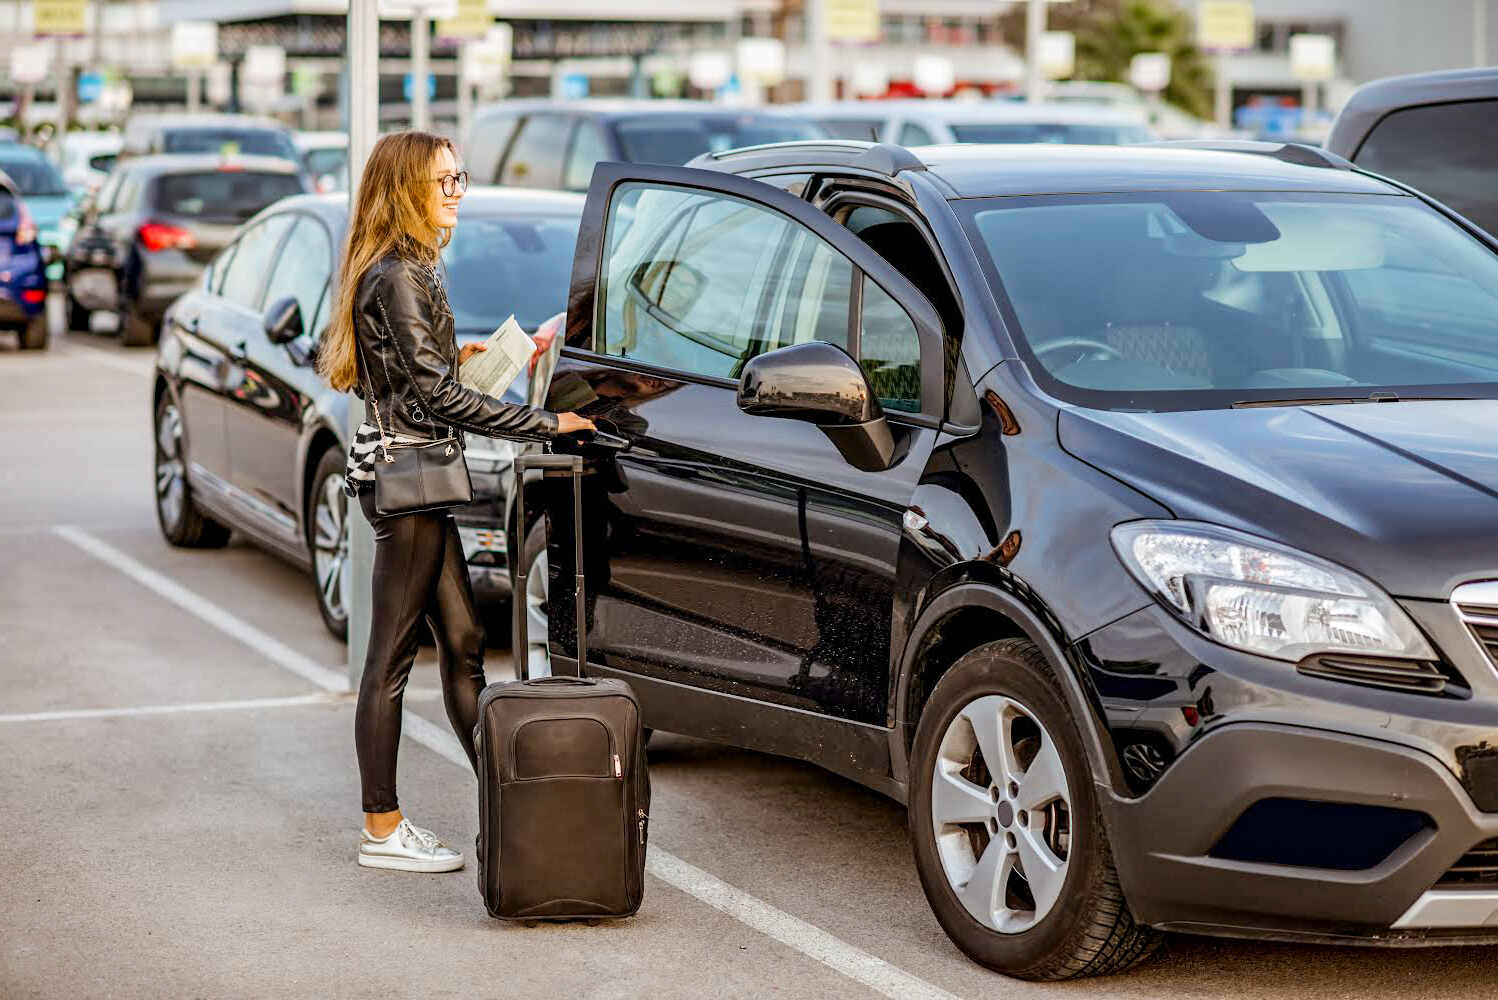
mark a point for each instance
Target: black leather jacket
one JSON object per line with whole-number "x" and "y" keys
{"x": 408, "y": 354}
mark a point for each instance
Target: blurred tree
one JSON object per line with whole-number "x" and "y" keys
{"x": 1111, "y": 32}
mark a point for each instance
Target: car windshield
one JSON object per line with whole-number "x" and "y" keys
{"x": 222, "y": 196}
{"x": 678, "y": 138}
{"x": 34, "y": 175}
{"x": 246, "y": 141}
{"x": 1198, "y": 299}
{"x": 502, "y": 265}
{"x": 1092, "y": 135}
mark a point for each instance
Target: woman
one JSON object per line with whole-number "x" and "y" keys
{"x": 391, "y": 341}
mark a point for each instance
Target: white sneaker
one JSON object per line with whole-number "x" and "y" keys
{"x": 409, "y": 848}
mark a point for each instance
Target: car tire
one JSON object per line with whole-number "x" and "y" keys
{"x": 1065, "y": 919}
{"x": 327, "y": 513}
{"x": 78, "y": 316}
{"x": 534, "y": 556}
{"x": 34, "y": 334}
{"x": 135, "y": 330}
{"x": 182, "y": 523}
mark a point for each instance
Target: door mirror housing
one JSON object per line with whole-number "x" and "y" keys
{"x": 821, "y": 384}
{"x": 283, "y": 321}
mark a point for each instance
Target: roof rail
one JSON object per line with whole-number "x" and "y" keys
{"x": 878, "y": 157}
{"x": 1288, "y": 152}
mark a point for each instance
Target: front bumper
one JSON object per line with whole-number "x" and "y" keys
{"x": 1267, "y": 802}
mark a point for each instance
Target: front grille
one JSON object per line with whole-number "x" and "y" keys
{"x": 1402, "y": 675}
{"x": 1482, "y": 621}
{"x": 1477, "y": 868}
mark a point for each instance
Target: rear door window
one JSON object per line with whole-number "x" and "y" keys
{"x": 253, "y": 258}
{"x": 222, "y": 196}
{"x": 486, "y": 147}
{"x": 302, "y": 269}
{"x": 536, "y": 155}
{"x": 588, "y": 147}
{"x": 1445, "y": 150}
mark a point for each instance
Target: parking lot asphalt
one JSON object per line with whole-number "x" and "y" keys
{"x": 181, "y": 798}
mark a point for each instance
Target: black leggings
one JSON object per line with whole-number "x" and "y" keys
{"x": 419, "y": 572}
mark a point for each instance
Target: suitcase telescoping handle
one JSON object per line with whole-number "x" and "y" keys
{"x": 559, "y": 465}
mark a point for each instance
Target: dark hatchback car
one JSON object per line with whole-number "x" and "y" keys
{"x": 248, "y": 436}
{"x": 1433, "y": 131}
{"x": 23, "y": 278}
{"x": 556, "y": 144}
{"x": 145, "y": 238}
{"x": 1120, "y": 510}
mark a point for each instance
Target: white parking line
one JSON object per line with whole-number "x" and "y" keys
{"x": 837, "y": 954}
{"x": 192, "y": 706}
{"x": 109, "y": 359}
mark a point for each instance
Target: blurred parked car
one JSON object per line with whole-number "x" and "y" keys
{"x": 1166, "y": 120}
{"x": 208, "y": 133}
{"x": 23, "y": 285}
{"x": 249, "y": 437}
{"x": 153, "y": 227}
{"x": 87, "y": 158}
{"x": 47, "y": 197}
{"x": 1433, "y": 131}
{"x": 554, "y": 144}
{"x": 928, "y": 123}
{"x": 325, "y": 158}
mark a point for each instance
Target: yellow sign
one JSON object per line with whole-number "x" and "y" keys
{"x": 1225, "y": 25}
{"x": 473, "y": 21}
{"x": 851, "y": 20}
{"x": 60, "y": 17}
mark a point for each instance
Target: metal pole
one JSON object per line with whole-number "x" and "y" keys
{"x": 62, "y": 71}
{"x": 465, "y": 91}
{"x": 1034, "y": 25}
{"x": 1479, "y": 32}
{"x": 363, "y": 125}
{"x": 194, "y": 91}
{"x": 420, "y": 42}
{"x": 819, "y": 73}
{"x": 1224, "y": 95}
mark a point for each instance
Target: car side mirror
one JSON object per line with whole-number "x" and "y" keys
{"x": 283, "y": 321}
{"x": 821, "y": 384}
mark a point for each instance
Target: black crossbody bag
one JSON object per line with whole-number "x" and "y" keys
{"x": 416, "y": 477}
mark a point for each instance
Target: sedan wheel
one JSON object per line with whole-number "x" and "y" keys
{"x": 181, "y": 522}
{"x": 538, "y": 652}
{"x": 329, "y": 537}
{"x": 1001, "y": 810}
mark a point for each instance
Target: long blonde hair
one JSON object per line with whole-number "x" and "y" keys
{"x": 390, "y": 213}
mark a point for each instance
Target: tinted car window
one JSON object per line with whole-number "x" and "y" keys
{"x": 866, "y": 129}
{"x": 325, "y": 161}
{"x": 103, "y": 161}
{"x": 1096, "y": 135}
{"x": 588, "y": 147}
{"x": 499, "y": 266}
{"x": 104, "y": 202}
{"x": 302, "y": 268}
{"x": 535, "y": 158}
{"x": 912, "y": 134}
{"x": 254, "y": 256}
{"x": 247, "y": 141}
{"x": 1191, "y": 299}
{"x": 889, "y": 350}
{"x": 222, "y": 196}
{"x": 702, "y": 282}
{"x": 1445, "y": 150}
{"x": 33, "y": 175}
{"x": 486, "y": 146}
{"x": 677, "y": 138}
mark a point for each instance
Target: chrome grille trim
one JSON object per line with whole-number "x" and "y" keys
{"x": 1476, "y": 604}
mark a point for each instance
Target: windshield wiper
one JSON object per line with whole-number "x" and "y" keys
{"x": 1382, "y": 396}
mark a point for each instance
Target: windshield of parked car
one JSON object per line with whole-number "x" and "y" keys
{"x": 222, "y": 196}
{"x": 680, "y": 137}
{"x": 246, "y": 141}
{"x": 1193, "y": 299}
{"x": 498, "y": 265}
{"x": 33, "y": 175}
{"x": 1092, "y": 135}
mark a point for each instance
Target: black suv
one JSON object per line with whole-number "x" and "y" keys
{"x": 1129, "y": 515}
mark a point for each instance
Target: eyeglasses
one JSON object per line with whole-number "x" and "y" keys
{"x": 453, "y": 184}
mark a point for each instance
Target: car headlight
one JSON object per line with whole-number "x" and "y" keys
{"x": 1261, "y": 597}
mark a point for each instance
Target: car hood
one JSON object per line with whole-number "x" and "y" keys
{"x": 1405, "y": 493}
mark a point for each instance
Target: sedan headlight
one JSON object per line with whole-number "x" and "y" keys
{"x": 1254, "y": 595}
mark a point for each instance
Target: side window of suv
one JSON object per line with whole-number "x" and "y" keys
{"x": 588, "y": 147}
{"x": 253, "y": 258}
{"x": 486, "y": 147}
{"x": 701, "y": 282}
{"x": 535, "y": 158}
{"x": 1445, "y": 150}
{"x": 302, "y": 270}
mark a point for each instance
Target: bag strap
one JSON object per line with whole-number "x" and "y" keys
{"x": 370, "y": 395}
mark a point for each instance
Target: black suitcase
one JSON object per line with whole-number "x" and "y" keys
{"x": 564, "y": 789}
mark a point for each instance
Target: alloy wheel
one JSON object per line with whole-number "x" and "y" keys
{"x": 538, "y": 655}
{"x": 171, "y": 482}
{"x": 1001, "y": 813}
{"x": 330, "y": 545}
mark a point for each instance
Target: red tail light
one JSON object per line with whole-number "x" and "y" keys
{"x": 32, "y": 296}
{"x": 160, "y": 236}
{"x": 25, "y": 228}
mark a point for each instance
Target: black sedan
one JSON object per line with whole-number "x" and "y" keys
{"x": 248, "y": 436}
{"x": 153, "y": 227}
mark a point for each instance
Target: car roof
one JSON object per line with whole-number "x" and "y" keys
{"x": 193, "y": 163}
{"x": 980, "y": 170}
{"x": 1068, "y": 113}
{"x": 611, "y": 107}
{"x": 333, "y": 207}
{"x": 1371, "y": 102}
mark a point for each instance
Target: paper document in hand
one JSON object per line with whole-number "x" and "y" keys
{"x": 507, "y": 351}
